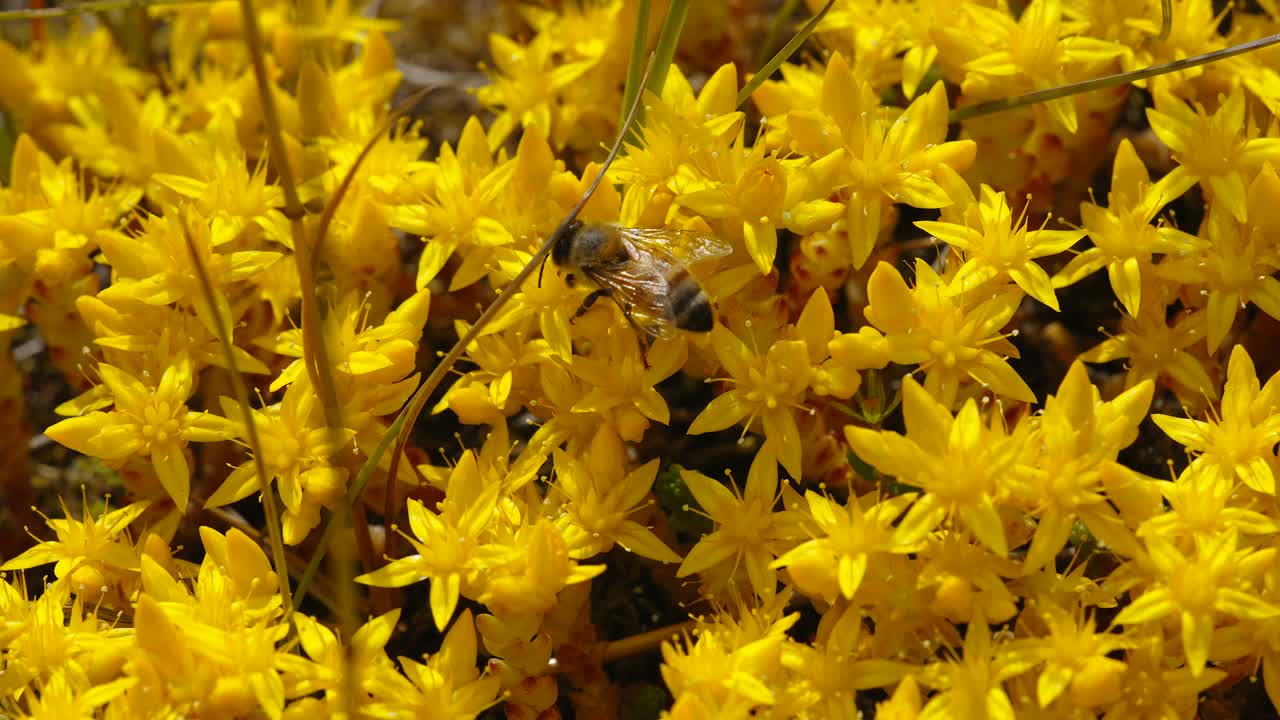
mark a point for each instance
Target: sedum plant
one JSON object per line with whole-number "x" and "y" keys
{"x": 928, "y": 461}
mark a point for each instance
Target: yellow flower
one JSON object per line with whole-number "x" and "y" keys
{"x": 600, "y": 496}
{"x": 1122, "y": 234}
{"x": 748, "y": 532}
{"x": 462, "y": 211}
{"x": 677, "y": 126}
{"x": 155, "y": 333}
{"x": 247, "y": 659}
{"x": 447, "y": 685}
{"x": 971, "y": 684}
{"x": 53, "y": 214}
{"x": 56, "y": 633}
{"x": 767, "y": 387}
{"x": 59, "y": 698}
{"x": 524, "y": 89}
{"x": 1153, "y": 689}
{"x": 724, "y": 671}
{"x": 997, "y": 247}
{"x": 506, "y": 369}
{"x": 234, "y": 587}
{"x": 1241, "y": 443}
{"x": 1037, "y": 50}
{"x": 38, "y": 88}
{"x": 1217, "y": 150}
{"x": 881, "y": 160}
{"x": 1070, "y": 469}
{"x": 622, "y": 380}
{"x": 379, "y": 354}
{"x": 959, "y": 464}
{"x": 1197, "y": 588}
{"x": 225, "y": 188}
{"x": 151, "y": 422}
{"x": 1202, "y": 503}
{"x": 835, "y": 666}
{"x": 851, "y": 537}
{"x": 934, "y": 325}
{"x": 170, "y": 676}
{"x": 330, "y": 658}
{"x": 448, "y": 543}
{"x": 525, "y": 575}
{"x": 296, "y": 452}
{"x": 1237, "y": 260}
{"x": 753, "y": 194}
{"x": 91, "y": 553}
{"x": 1076, "y": 659}
{"x": 964, "y": 579}
{"x": 1193, "y": 30}
{"x": 154, "y": 266}
{"x": 1155, "y": 349}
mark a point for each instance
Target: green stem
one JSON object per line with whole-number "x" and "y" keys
{"x": 1109, "y": 81}
{"x": 89, "y": 7}
{"x": 780, "y": 18}
{"x": 787, "y": 51}
{"x": 278, "y": 558}
{"x": 665, "y": 51}
{"x": 635, "y": 66}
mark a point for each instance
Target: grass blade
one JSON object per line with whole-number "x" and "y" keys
{"x": 782, "y": 55}
{"x": 275, "y": 532}
{"x": 665, "y": 51}
{"x": 635, "y": 66}
{"x": 1109, "y": 81}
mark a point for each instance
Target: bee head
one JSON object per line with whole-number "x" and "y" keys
{"x": 563, "y": 246}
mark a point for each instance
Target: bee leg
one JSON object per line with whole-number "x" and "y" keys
{"x": 642, "y": 337}
{"x": 588, "y": 301}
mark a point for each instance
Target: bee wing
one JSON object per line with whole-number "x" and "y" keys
{"x": 641, "y": 292}
{"x": 674, "y": 247}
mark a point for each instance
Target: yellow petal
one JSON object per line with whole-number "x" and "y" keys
{"x": 891, "y": 302}
{"x": 641, "y": 541}
{"x": 1035, "y": 281}
{"x": 721, "y": 413}
{"x": 170, "y": 463}
{"x": 761, "y": 239}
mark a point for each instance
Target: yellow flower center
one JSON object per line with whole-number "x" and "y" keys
{"x": 1216, "y": 148}
{"x": 767, "y": 388}
{"x": 158, "y": 423}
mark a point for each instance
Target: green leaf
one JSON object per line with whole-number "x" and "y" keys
{"x": 646, "y": 703}
{"x": 682, "y": 509}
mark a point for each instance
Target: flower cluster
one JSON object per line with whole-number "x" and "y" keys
{"x": 923, "y": 457}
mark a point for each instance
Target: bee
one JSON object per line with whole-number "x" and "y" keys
{"x": 638, "y": 268}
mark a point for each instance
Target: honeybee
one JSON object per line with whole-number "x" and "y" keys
{"x": 638, "y": 268}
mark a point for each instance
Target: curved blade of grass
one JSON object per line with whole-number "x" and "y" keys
{"x": 1166, "y": 20}
{"x": 315, "y": 352}
{"x": 665, "y": 50}
{"x": 335, "y": 200}
{"x": 95, "y": 6}
{"x": 297, "y": 564}
{"x": 771, "y": 34}
{"x": 636, "y": 64}
{"x": 782, "y": 55}
{"x": 403, "y": 424}
{"x": 275, "y": 535}
{"x": 1109, "y": 81}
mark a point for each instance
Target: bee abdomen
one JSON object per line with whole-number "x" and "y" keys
{"x": 689, "y": 305}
